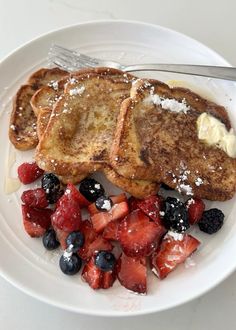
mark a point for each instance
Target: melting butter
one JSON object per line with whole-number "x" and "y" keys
{"x": 213, "y": 132}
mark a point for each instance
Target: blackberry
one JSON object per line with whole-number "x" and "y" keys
{"x": 105, "y": 260}
{"x": 103, "y": 203}
{"x": 91, "y": 189}
{"x": 212, "y": 220}
{"x": 176, "y": 215}
{"x": 51, "y": 185}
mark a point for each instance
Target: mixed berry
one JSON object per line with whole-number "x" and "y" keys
{"x": 120, "y": 238}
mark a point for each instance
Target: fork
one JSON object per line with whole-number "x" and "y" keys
{"x": 72, "y": 60}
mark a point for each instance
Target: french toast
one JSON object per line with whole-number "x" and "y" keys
{"x": 84, "y": 118}
{"x": 23, "y": 121}
{"x": 154, "y": 143}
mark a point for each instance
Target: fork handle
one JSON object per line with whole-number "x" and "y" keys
{"x": 220, "y": 72}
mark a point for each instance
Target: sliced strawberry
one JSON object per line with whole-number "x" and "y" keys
{"x": 92, "y": 275}
{"x": 195, "y": 207}
{"x": 132, "y": 273}
{"x": 98, "y": 244}
{"x": 151, "y": 206}
{"x": 108, "y": 279}
{"x": 29, "y": 172}
{"x": 35, "y": 198}
{"x": 101, "y": 219}
{"x": 133, "y": 203}
{"x": 67, "y": 216}
{"x": 89, "y": 236}
{"x": 111, "y": 231}
{"x": 115, "y": 200}
{"x": 172, "y": 252}
{"x": 83, "y": 202}
{"x": 96, "y": 278}
{"x": 138, "y": 235}
{"x": 36, "y": 221}
{"x": 61, "y": 237}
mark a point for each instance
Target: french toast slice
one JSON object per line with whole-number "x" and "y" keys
{"x": 23, "y": 121}
{"x": 81, "y": 127}
{"x": 154, "y": 143}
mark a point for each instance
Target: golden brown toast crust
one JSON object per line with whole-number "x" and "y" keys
{"x": 111, "y": 78}
{"x": 22, "y": 130}
{"x": 160, "y": 145}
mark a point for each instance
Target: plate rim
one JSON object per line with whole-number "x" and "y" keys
{"x": 49, "y": 300}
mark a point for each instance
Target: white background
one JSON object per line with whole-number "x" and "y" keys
{"x": 211, "y": 22}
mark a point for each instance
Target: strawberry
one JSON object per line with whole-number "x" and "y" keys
{"x": 111, "y": 230}
{"x": 29, "y": 172}
{"x": 83, "y": 202}
{"x": 98, "y": 244}
{"x": 132, "y": 273}
{"x": 195, "y": 207}
{"x": 36, "y": 221}
{"x": 172, "y": 252}
{"x": 151, "y": 206}
{"x": 101, "y": 219}
{"x": 35, "y": 198}
{"x": 96, "y": 278}
{"x": 61, "y": 237}
{"x": 138, "y": 235}
{"x": 133, "y": 203}
{"x": 67, "y": 216}
{"x": 115, "y": 200}
{"x": 89, "y": 236}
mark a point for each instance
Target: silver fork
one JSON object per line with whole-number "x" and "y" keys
{"x": 73, "y": 60}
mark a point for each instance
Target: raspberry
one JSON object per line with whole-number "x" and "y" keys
{"x": 35, "y": 198}
{"x": 29, "y": 172}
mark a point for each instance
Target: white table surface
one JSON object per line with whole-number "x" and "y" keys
{"x": 211, "y": 22}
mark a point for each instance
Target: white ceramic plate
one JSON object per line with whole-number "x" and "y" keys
{"x": 23, "y": 261}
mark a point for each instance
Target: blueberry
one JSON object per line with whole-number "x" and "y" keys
{"x": 76, "y": 238}
{"x": 105, "y": 260}
{"x": 212, "y": 220}
{"x": 51, "y": 185}
{"x": 103, "y": 203}
{"x": 70, "y": 265}
{"x": 176, "y": 215}
{"x": 50, "y": 241}
{"x": 166, "y": 187}
{"x": 91, "y": 189}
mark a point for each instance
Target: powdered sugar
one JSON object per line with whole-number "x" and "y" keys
{"x": 167, "y": 103}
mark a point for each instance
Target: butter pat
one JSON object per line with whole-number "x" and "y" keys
{"x": 213, "y": 132}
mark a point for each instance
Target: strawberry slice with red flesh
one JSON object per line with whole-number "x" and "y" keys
{"x": 36, "y": 221}
{"x": 115, "y": 200}
{"x": 67, "y": 215}
{"x": 151, "y": 206}
{"x": 195, "y": 207}
{"x": 132, "y": 273}
{"x": 138, "y": 235}
{"x": 133, "y": 203}
{"x": 100, "y": 220}
{"x": 96, "y": 278}
{"x": 29, "y": 172}
{"x": 92, "y": 275}
{"x": 98, "y": 244}
{"x": 83, "y": 202}
{"x": 172, "y": 252}
{"x": 90, "y": 235}
{"x": 35, "y": 198}
{"x": 61, "y": 237}
{"x": 111, "y": 231}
